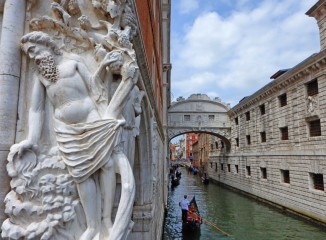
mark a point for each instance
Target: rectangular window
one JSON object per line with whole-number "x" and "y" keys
{"x": 284, "y": 133}
{"x": 216, "y": 145}
{"x": 229, "y": 168}
{"x": 248, "y": 139}
{"x": 211, "y": 117}
{"x": 263, "y": 173}
{"x": 248, "y": 171}
{"x": 221, "y": 166}
{"x": 317, "y": 181}
{"x": 262, "y": 109}
{"x": 215, "y": 167}
{"x": 222, "y": 144}
{"x": 263, "y": 136}
{"x": 282, "y": 100}
{"x": 247, "y": 116}
{"x": 212, "y": 147}
{"x": 186, "y": 117}
{"x": 237, "y": 142}
{"x": 285, "y": 176}
{"x": 314, "y": 128}
{"x": 312, "y": 88}
{"x": 211, "y": 165}
{"x": 236, "y": 168}
{"x": 236, "y": 120}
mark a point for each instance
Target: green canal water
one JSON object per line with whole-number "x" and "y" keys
{"x": 234, "y": 213}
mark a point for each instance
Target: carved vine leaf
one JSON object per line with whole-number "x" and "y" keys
{"x": 42, "y": 199}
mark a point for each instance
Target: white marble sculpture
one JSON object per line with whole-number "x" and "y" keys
{"x": 55, "y": 186}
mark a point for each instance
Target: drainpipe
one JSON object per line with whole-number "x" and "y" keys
{"x": 10, "y": 63}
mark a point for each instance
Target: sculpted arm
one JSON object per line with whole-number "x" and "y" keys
{"x": 35, "y": 120}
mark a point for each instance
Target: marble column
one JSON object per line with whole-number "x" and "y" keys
{"x": 10, "y": 67}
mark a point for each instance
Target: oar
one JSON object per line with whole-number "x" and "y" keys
{"x": 213, "y": 225}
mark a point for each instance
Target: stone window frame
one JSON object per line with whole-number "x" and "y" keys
{"x": 312, "y": 87}
{"x": 314, "y": 128}
{"x": 236, "y": 121}
{"x": 237, "y": 142}
{"x": 247, "y": 116}
{"x": 248, "y": 171}
{"x": 222, "y": 166}
{"x": 236, "y": 166}
{"x": 248, "y": 139}
{"x": 187, "y": 118}
{"x": 229, "y": 167}
{"x": 263, "y": 137}
{"x": 262, "y": 109}
{"x": 263, "y": 172}
{"x": 282, "y": 100}
{"x": 211, "y": 118}
{"x": 284, "y": 133}
{"x": 316, "y": 181}
{"x": 285, "y": 176}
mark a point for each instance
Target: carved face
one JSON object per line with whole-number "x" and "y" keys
{"x": 35, "y": 51}
{"x": 112, "y": 9}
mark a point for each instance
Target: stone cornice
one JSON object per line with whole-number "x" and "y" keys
{"x": 311, "y": 65}
{"x": 318, "y": 10}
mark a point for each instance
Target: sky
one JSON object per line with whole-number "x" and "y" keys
{"x": 230, "y": 48}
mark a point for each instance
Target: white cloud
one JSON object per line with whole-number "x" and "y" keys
{"x": 187, "y": 6}
{"x": 240, "y": 52}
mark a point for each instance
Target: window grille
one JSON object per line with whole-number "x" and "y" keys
{"x": 262, "y": 109}
{"x": 248, "y": 170}
{"x": 248, "y": 139}
{"x": 318, "y": 181}
{"x": 263, "y": 173}
{"x": 282, "y": 100}
{"x": 247, "y": 116}
{"x": 312, "y": 88}
{"x": 315, "y": 129}
{"x": 211, "y": 117}
{"x": 284, "y": 133}
{"x": 285, "y": 176}
{"x": 263, "y": 136}
{"x": 186, "y": 117}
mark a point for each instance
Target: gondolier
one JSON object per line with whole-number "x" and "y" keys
{"x": 184, "y": 204}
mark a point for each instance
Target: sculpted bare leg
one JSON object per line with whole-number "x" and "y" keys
{"x": 88, "y": 192}
{"x": 108, "y": 186}
{"x": 123, "y": 217}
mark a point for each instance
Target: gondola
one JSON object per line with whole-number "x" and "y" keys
{"x": 205, "y": 180}
{"x": 193, "y": 217}
{"x": 175, "y": 181}
{"x": 178, "y": 174}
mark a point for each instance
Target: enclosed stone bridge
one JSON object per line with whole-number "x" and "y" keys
{"x": 199, "y": 114}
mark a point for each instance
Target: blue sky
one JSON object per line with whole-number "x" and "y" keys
{"x": 230, "y": 48}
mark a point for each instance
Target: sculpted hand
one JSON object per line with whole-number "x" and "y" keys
{"x": 21, "y": 147}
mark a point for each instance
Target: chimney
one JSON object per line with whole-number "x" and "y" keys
{"x": 318, "y": 11}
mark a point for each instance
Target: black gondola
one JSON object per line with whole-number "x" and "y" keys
{"x": 178, "y": 174}
{"x": 175, "y": 182}
{"x": 193, "y": 217}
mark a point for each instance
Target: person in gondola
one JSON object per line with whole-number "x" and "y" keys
{"x": 184, "y": 204}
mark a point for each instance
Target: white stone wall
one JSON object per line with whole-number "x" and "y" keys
{"x": 300, "y": 154}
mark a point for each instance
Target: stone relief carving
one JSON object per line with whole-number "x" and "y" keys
{"x": 66, "y": 189}
{"x": 311, "y": 104}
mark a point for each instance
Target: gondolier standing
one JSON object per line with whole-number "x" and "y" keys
{"x": 184, "y": 204}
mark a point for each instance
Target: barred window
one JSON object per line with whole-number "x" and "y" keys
{"x": 236, "y": 120}
{"x": 211, "y": 117}
{"x": 262, "y": 109}
{"x": 186, "y": 117}
{"x": 285, "y": 175}
{"x": 282, "y": 100}
{"x": 263, "y": 172}
{"x": 248, "y": 140}
{"x": 312, "y": 88}
{"x": 314, "y": 128}
{"x": 317, "y": 181}
{"x": 248, "y": 171}
{"x": 284, "y": 133}
{"x": 247, "y": 116}
{"x": 263, "y": 136}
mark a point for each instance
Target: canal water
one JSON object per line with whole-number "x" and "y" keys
{"x": 239, "y": 216}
